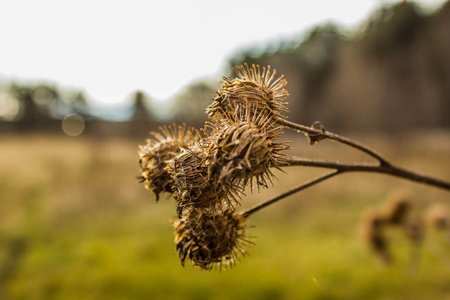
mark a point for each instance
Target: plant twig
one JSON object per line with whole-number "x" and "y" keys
{"x": 384, "y": 166}
{"x": 294, "y": 190}
{"x": 388, "y": 169}
{"x": 332, "y": 136}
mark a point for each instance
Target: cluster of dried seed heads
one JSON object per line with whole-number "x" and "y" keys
{"x": 396, "y": 213}
{"x": 206, "y": 176}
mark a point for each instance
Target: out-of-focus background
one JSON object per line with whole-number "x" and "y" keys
{"x": 82, "y": 85}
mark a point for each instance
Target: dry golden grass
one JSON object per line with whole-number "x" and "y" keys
{"x": 90, "y": 230}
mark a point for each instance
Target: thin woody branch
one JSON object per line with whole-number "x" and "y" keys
{"x": 341, "y": 168}
{"x": 322, "y": 134}
{"x": 383, "y": 167}
{"x": 294, "y": 190}
{"x": 388, "y": 169}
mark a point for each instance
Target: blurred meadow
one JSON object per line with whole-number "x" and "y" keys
{"x": 75, "y": 223}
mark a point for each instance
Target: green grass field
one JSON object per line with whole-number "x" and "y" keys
{"x": 76, "y": 224}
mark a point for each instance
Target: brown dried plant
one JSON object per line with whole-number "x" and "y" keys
{"x": 192, "y": 188}
{"x": 396, "y": 209}
{"x": 244, "y": 147}
{"x": 207, "y": 175}
{"x": 396, "y": 212}
{"x": 210, "y": 237}
{"x": 374, "y": 236}
{"x": 153, "y": 156}
{"x": 252, "y": 85}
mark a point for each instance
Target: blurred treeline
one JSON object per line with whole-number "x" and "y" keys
{"x": 392, "y": 74}
{"x": 42, "y": 107}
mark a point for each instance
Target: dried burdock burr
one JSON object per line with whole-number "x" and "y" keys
{"x": 397, "y": 208}
{"x": 210, "y": 237}
{"x": 253, "y": 85}
{"x": 164, "y": 146}
{"x": 243, "y": 147}
{"x": 372, "y": 233}
{"x": 396, "y": 213}
{"x": 190, "y": 183}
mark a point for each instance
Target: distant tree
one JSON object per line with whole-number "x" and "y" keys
{"x": 47, "y": 99}
{"x": 29, "y": 112}
{"x": 308, "y": 62}
{"x": 190, "y": 104}
{"x": 140, "y": 110}
{"x": 36, "y": 102}
{"x": 393, "y": 27}
{"x": 79, "y": 104}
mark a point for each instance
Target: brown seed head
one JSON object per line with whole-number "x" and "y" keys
{"x": 164, "y": 146}
{"x": 243, "y": 147}
{"x": 372, "y": 233}
{"x": 210, "y": 237}
{"x": 191, "y": 185}
{"x": 252, "y": 85}
{"x": 397, "y": 209}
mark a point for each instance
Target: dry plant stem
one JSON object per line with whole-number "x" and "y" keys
{"x": 335, "y": 137}
{"x": 294, "y": 190}
{"x": 384, "y": 166}
{"x": 388, "y": 169}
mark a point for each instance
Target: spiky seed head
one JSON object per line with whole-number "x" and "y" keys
{"x": 210, "y": 238}
{"x": 252, "y": 85}
{"x": 191, "y": 185}
{"x": 164, "y": 145}
{"x": 372, "y": 233}
{"x": 397, "y": 208}
{"x": 243, "y": 147}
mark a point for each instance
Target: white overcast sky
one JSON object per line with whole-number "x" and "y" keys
{"x": 111, "y": 48}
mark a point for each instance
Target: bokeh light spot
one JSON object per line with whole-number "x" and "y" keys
{"x": 73, "y": 125}
{"x": 9, "y": 107}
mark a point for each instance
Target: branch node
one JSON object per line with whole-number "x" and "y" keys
{"x": 314, "y": 138}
